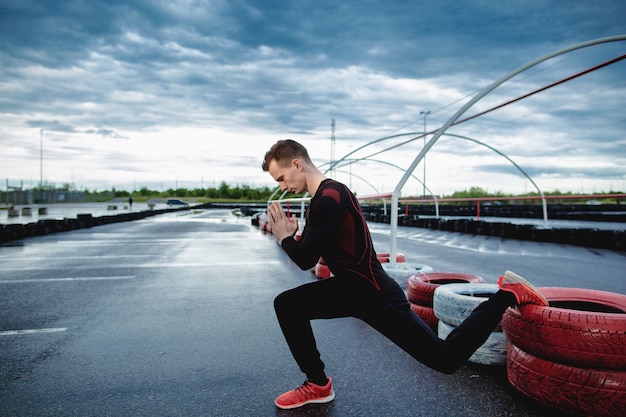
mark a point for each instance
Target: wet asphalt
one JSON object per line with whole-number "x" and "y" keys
{"x": 172, "y": 316}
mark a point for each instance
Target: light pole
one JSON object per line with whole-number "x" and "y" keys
{"x": 40, "y": 163}
{"x": 424, "y": 113}
{"x": 350, "y": 147}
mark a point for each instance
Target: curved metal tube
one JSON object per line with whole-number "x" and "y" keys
{"x": 396, "y": 192}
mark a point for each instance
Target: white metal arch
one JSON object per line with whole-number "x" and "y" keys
{"x": 396, "y": 192}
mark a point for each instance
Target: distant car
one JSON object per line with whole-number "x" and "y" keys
{"x": 176, "y": 202}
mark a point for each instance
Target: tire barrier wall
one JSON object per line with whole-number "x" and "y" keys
{"x": 9, "y": 232}
{"x": 594, "y": 238}
{"x": 570, "y": 355}
{"x": 597, "y": 213}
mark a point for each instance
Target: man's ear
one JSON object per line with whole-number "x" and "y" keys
{"x": 298, "y": 164}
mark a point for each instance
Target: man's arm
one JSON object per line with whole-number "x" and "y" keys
{"x": 281, "y": 225}
{"x": 319, "y": 234}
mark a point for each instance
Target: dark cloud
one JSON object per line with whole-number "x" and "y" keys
{"x": 107, "y": 133}
{"x": 51, "y": 125}
{"x": 122, "y": 69}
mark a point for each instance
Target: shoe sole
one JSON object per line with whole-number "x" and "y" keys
{"x": 513, "y": 279}
{"x": 316, "y": 401}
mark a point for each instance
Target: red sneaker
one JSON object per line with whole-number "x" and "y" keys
{"x": 523, "y": 290}
{"x": 307, "y": 393}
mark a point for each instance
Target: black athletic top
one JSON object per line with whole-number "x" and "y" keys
{"x": 336, "y": 230}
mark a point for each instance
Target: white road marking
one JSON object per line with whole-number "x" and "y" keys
{"x": 66, "y": 258}
{"x": 234, "y": 263}
{"x": 22, "y": 281}
{"x": 200, "y": 237}
{"x": 33, "y": 331}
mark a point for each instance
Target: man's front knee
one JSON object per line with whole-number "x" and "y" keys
{"x": 283, "y": 302}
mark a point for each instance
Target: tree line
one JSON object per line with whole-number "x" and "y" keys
{"x": 245, "y": 192}
{"x": 224, "y": 191}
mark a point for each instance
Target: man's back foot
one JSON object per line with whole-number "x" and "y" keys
{"x": 307, "y": 393}
{"x": 524, "y": 291}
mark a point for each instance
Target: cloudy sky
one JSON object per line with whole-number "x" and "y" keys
{"x": 189, "y": 93}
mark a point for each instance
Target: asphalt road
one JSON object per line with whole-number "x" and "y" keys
{"x": 173, "y": 316}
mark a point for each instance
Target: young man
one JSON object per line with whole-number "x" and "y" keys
{"x": 336, "y": 230}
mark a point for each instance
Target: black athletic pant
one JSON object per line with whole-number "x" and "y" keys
{"x": 388, "y": 312}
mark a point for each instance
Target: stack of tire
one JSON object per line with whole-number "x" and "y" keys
{"x": 453, "y": 303}
{"x": 384, "y": 257}
{"x": 264, "y": 222}
{"x": 400, "y": 270}
{"x": 571, "y": 355}
{"x": 322, "y": 271}
{"x": 421, "y": 287}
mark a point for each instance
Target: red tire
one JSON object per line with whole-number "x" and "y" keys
{"x": 383, "y": 257}
{"x": 580, "y": 327}
{"x": 264, "y": 223}
{"x": 427, "y": 314}
{"x": 322, "y": 271}
{"x": 586, "y": 391}
{"x": 421, "y": 286}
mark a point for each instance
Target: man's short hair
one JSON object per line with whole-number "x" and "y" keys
{"x": 283, "y": 152}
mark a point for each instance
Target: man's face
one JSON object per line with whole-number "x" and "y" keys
{"x": 290, "y": 177}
